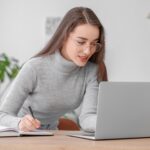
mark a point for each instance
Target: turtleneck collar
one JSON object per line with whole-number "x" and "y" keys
{"x": 63, "y": 65}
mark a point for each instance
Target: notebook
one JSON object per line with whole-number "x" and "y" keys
{"x": 123, "y": 111}
{"x": 7, "y": 131}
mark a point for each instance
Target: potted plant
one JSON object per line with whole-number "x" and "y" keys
{"x": 9, "y": 68}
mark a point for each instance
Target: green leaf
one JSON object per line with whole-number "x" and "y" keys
{"x": 8, "y": 67}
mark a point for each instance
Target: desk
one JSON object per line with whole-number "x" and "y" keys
{"x": 62, "y": 142}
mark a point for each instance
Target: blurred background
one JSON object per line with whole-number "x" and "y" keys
{"x": 25, "y": 27}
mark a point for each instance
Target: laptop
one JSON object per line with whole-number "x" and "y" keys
{"x": 123, "y": 111}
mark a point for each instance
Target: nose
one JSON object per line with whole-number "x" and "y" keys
{"x": 86, "y": 50}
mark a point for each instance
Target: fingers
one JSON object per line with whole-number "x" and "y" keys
{"x": 38, "y": 123}
{"x": 28, "y": 123}
{"x": 33, "y": 122}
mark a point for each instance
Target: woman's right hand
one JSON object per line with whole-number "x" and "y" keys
{"x": 28, "y": 123}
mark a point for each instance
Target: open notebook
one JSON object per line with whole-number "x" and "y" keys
{"x": 7, "y": 131}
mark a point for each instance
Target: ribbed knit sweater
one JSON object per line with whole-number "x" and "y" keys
{"x": 52, "y": 86}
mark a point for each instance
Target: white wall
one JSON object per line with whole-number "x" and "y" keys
{"x": 128, "y": 39}
{"x": 125, "y": 21}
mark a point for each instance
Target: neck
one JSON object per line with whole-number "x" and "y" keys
{"x": 64, "y": 65}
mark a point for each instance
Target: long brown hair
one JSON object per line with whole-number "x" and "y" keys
{"x": 74, "y": 17}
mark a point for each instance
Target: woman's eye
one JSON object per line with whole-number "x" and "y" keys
{"x": 80, "y": 43}
{"x": 93, "y": 44}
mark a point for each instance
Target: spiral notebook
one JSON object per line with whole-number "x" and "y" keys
{"x": 7, "y": 131}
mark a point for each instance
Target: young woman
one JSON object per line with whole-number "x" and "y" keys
{"x": 60, "y": 77}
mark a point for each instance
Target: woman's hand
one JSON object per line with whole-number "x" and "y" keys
{"x": 28, "y": 123}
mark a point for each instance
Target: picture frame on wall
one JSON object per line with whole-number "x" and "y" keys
{"x": 51, "y": 24}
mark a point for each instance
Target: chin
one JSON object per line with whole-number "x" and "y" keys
{"x": 81, "y": 64}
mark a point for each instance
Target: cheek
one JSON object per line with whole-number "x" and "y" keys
{"x": 72, "y": 52}
{"x": 91, "y": 55}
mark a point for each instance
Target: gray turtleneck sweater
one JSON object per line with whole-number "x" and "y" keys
{"x": 52, "y": 86}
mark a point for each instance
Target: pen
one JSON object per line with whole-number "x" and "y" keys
{"x": 30, "y": 109}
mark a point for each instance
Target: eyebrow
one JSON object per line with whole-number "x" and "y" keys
{"x": 86, "y": 38}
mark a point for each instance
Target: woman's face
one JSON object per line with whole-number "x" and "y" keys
{"x": 81, "y": 44}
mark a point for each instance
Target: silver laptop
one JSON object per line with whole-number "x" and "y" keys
{"x": 123, "y": 111}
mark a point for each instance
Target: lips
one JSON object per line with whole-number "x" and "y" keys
{"x": 83, "y": 58}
